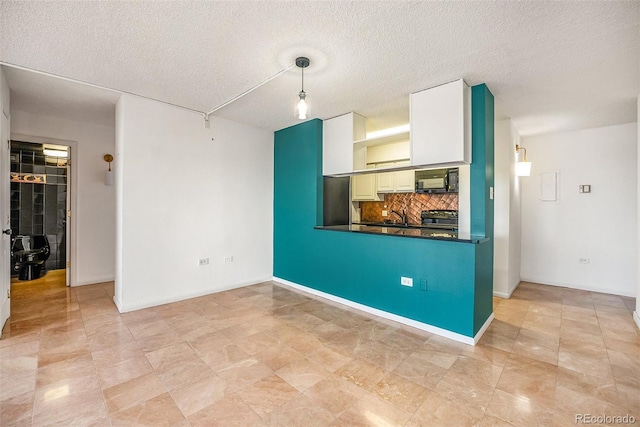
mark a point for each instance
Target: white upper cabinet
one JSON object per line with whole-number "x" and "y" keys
{"x": 338, "y": 135}
{"x": 363, "y": 188}
{"x": 440, "y": 120}
{"x": 395, "y": 182}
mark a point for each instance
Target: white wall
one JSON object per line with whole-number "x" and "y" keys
{"x": 94, "y": 256}
{"x": 506, "y": 249}
{"x": 5, "y": 262}
{"x": 601, "y": 225}
{"x": 182, "y": 197}
{"x": 636, "y": 314}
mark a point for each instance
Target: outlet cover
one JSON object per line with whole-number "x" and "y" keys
{"x": 584, "y": 260}
{"x": 228, "y": 258}
{"x": 406, "y": 281}
{"x": 203, "y": 261}
{"x": 385, "y": 213}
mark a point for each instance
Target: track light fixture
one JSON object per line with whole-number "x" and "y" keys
{"x": 302, "y": 63}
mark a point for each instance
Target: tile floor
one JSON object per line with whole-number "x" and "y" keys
{"x": 265, "y": 356}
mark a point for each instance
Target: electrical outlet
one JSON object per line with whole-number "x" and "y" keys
{"x": 385, "y": 213}
{"x": 491, "y": 193}
{"x": 584, "y": 188}
{"x": 203, "y": 261}
{"x": 227, "y": 258}
{"x": 584, "y": 260}
{"x": 406, "y": 281}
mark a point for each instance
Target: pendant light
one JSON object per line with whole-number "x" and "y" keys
{"x": 302, "y": 63}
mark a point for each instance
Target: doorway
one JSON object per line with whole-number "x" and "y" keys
{"x": 39, "y": 210}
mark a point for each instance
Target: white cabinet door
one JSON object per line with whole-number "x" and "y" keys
{"x": 440, "y": 120}
{"x": 386, "y": 182}
{"x": 405, "y": 181}
{"x": 338, "y": 135}
{"x": 363, "y": 188}
{"x": 395, "y": 182}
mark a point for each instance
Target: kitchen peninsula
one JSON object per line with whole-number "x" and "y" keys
{"x": 452, "y": 277}
{"x": 409, "y": 231}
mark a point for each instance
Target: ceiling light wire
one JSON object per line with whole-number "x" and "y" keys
{"x": 122, "y": 92}
{"x": 202, "y": 113}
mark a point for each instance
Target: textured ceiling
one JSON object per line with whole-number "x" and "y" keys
{"x": 552, "y": 66}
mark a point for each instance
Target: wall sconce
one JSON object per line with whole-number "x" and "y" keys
{"x": 522, "y": 168}
{"x": 108, "y": 175}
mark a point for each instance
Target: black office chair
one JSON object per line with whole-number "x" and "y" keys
{"x": 29, "y": 254}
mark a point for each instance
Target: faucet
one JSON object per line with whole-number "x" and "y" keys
{"x": 402, "y": 215}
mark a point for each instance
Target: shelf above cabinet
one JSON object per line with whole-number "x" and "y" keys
{"x": 385, "y": 139}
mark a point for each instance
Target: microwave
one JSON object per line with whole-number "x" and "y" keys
{"x": 437, "y": 181}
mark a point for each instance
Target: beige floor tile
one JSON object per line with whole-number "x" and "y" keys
{"x": 302, "y": 374}
{"x": 518, "y": 410}
{"x": 268, "y": 394}
{"x": 334, "y": 394}
{"x": 133, "y": 392}
{"x": 228, "y": 411}
{"x": 73, "y": 367}
{"x": 75, "y": 400}
{"x": 123, "y": 371}
{"x": 62, "y": 346}
{"x": 386, "y": 357}
{"x": 157, "y": 411}
{"x": 419, "y": 369}
{"x": 17, "y": 410}
{"x": 404, "y": 394}
{"x": 584, "y": 383}
{"x": 361, "y": 373}
{"x": 440, "y": 411}
{"x": 278, "y": 356}
{"x": 371, "y": 410}
{"x": 199, "y": 394}
{"x": 116, "y": 354}
{"x": 456, "y": 386}
{"x": 244, "y": 373}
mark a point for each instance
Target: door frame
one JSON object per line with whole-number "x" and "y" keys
{"x": 72, "y": 197}
{"x": 5, "y": 240}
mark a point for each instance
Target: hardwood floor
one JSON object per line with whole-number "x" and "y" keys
{"x": 265, "y": 355}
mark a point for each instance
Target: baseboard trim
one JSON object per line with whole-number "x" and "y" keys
{"x": 94, "y": 281}
{"x": 483, "y": 329}
{"x": 619, "y": 292}
{"x": 504, "y": 294}
{"x": 636, "y": 318}
{"x": 125, "y": 308}
{"x": 386, "y": 315}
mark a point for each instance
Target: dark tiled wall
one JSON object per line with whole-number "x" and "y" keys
{"x": 40, "y": 208}
{"x": 413, "y": 203}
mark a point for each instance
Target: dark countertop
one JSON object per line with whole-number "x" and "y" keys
{"x": 420, "y": 232}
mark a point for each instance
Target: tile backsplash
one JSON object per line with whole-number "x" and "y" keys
{"x": 413, "y": 203}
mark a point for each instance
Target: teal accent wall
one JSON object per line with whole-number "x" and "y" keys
{"x": 482, "y": 172}
{"x": 366, "y": 268}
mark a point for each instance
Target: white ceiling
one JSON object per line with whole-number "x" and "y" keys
{"x": 552, "y": 66}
